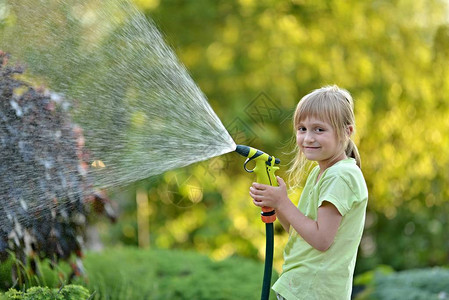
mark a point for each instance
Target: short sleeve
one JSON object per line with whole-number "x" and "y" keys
{"x": 338, "y": 192}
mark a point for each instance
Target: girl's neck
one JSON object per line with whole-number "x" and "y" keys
{"x": 324, "y": 165}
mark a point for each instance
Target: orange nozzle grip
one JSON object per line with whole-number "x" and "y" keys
{"x": 268, "y": 214}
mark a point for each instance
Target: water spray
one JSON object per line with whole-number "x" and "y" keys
{"x": 266, "y": 166}
{"x": 134, "y": 100}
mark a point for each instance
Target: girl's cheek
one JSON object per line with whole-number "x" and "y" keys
{"x": 299, "y": 139}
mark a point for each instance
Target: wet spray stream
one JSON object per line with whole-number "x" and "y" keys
{"x": 134, "y": 100}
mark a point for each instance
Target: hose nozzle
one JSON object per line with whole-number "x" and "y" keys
{"x": 266, "y": 166}
{"x": 255, "y": 154}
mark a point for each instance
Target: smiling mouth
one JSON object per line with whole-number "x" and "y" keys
{"x": 310, "y": 148}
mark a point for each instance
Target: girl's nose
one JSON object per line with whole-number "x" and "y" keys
{"x": 308, "y": 138}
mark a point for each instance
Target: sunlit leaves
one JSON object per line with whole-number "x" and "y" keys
{"x": 392, "y": 56}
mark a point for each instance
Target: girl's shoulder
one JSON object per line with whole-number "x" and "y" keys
{"x": 348, "y": 172}
{"x": 313, "y": 174}
{"x": 345, "y": 167}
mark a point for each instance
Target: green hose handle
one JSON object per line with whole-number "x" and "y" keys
{"x": 266, "y": 166}
{"x": 265, "y": 169}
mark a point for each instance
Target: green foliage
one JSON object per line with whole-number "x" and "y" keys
{"x": 74, "y": 292}
{"x": 419, "y": 284}
{"x": 367, "y": 278}
{"x": 410, "y": 240}
{"x": 68, "y": 292}
{"x": 392, "y": 56}
{"x": 49, "y": 274}
{"x": 131, "y": 273}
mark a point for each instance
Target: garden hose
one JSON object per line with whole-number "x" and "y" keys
{"x": 265, "y": 168}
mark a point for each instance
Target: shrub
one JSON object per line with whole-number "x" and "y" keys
{"x": 46, "y": 194}
{"x": 419, "y": 284}
{"x": 68, "y": 292}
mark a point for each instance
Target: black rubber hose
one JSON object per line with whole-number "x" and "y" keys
{"x": 266, "y": 287}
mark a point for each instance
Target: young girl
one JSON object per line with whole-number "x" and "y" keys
{"x": 326, "y": 227}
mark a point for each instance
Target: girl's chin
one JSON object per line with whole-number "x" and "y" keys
{"x": 311, "y": 156}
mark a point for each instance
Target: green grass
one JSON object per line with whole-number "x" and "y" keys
{"x": 131, "y": 273}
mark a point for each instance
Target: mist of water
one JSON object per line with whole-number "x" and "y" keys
{"x": 140, "y": 111}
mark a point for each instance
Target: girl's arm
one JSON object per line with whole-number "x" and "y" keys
{"x": 283, "y": 220}
{"x": 320, "y": 234}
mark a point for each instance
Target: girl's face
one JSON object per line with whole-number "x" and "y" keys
{"x": 318, "y": 141}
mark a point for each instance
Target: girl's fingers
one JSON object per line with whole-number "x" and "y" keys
{"x": 255, "y": 191}
{"x": 255, "y": 196}
{"x": 257, "y": 203}
{"x": 258, "y": 186}
{"x": 281, "y": 181}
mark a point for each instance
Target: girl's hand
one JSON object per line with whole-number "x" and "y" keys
{"x": 267, "y": 195}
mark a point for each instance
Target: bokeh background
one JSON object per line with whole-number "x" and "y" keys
{"x": 254, "y": 60}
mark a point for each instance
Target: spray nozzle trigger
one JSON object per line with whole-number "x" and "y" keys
{"x": 244, "y": 166}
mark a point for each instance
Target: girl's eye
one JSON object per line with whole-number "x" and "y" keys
{"x": 301, "y": 129}
{"x": 319, "y": 129}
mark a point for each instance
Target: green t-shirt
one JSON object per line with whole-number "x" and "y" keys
{"x": 308, "y": 273}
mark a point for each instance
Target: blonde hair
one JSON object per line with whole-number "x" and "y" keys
{"x": 334, "y": 105}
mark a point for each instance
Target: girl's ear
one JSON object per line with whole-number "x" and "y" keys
{"x": 349, "y": 130}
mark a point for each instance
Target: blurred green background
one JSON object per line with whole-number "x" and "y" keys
{"x": 254, "y": 60}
